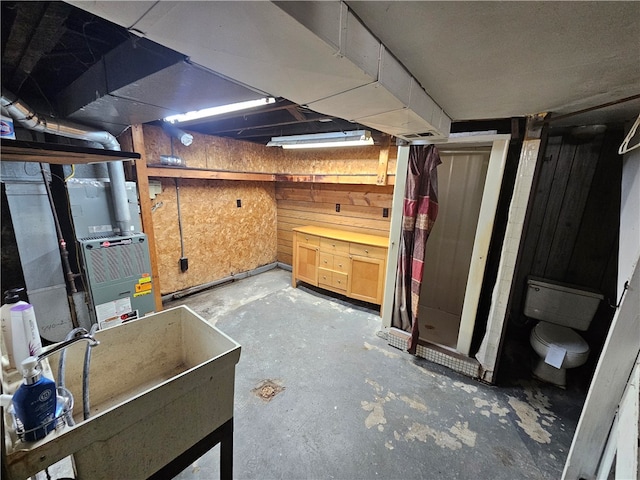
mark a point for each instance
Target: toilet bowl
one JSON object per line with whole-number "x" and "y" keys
{"x": 560, "y": 308}
{"x": 546, "y": 336}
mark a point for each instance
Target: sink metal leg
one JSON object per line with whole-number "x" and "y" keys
{"x": 222, "y": 435}
{"x": 226, "y": 455}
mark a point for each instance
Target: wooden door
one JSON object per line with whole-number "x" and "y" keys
{"x": 306, "y": 263}
{"x": 366, "y": 279}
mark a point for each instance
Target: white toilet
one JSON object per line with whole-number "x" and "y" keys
{"x": 560, "y": 309}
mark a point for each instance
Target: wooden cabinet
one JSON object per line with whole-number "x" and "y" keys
{"x": 305, "y": 259}
{"x": 348, "y": 263}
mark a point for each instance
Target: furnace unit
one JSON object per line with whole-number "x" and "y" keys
{"x": 118, "y": 273}
{"x": 117, "y": 267}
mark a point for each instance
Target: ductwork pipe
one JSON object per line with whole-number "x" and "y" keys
{"x": 29, "y": 119}
{"x": 185, "y": 138}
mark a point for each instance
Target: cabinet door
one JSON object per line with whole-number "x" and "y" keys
{"x": 306, "y": 258}
{"x": 366, "y": 279}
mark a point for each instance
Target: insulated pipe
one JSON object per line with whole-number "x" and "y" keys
{"x": 28, "y": 118}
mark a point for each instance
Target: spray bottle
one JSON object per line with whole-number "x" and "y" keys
{"x": 11, "y": 299}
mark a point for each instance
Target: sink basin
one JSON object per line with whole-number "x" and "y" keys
{"x": 158, "y": 385}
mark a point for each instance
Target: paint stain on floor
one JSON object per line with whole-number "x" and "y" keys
{"x": 534, "y": 413}
{"x": 487, "y": 408}
{"x": 461, "y": 431}
{"x": 454, "y": 439}
{"x": 466, "y": 387}
{"x": 415, "y": 404}
{"x": 386, "y": 353}
{"x": 376, "y": 417}
{"x": 420, "y": 432}
{"x": 528, "y": 420}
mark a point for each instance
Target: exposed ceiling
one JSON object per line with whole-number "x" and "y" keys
{"x": 403, "y": 68}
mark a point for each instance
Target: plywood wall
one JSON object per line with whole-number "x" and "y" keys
{"x": 361, "y": 210}
{"x": 225, "y": 154}
{"x": 220, "y": 239}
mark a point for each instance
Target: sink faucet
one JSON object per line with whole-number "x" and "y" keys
{"x": 84, "y": 335}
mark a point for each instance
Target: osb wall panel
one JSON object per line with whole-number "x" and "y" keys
{"x": 220, "y": 239}
{"x": 216, "y": 153}
{"x": 361, "y": 210}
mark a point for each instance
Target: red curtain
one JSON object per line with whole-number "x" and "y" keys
{"x": 420, "y": 210}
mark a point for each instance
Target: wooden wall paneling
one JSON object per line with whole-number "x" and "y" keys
{"x": 315, "y": 204}
{"x": 364, "y": 195}
{"x": 138, "y": 144}
{"x": 313, "y": 218}
{"x": 572, "y": 208}
{"x": 597, "y": 239}
{"x": 347, "y": 210}
{"x": 552, "y": 206}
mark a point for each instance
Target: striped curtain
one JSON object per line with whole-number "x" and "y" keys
{"x": 419, "y": 214}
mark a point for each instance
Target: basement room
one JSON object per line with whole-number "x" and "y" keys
{"x": 320, "y": 240}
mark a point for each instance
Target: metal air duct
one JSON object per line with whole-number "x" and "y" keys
{"x": 29, "y": 119}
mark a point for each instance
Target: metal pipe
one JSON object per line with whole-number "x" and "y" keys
{"x": 62, "y": 244}
{"x": 28, "y": 118}
{"x": 119, "y": 197}
{"x": 61, "y": 366}
{"x": 231, "y": 278}
{"x": 185, "y": 138}
{"x": 86, "y": 405}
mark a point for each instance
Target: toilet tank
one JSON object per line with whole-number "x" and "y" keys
{"x": 561, "y": 304}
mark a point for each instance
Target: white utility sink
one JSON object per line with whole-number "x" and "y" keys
{"x": 158, "y": 385}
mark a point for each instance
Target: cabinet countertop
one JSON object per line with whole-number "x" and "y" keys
{"x": 345, "y": 236}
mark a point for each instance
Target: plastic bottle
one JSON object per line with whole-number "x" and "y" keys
{"x": 35, "y": 401}
{"x": 24, "y": 333}
{"x": 11, "y": 299}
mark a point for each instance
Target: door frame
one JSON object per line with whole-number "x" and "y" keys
{"x": 499, "y": 144}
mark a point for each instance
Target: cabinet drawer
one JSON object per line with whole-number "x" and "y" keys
{"x": 310, "y": 239}
{"x": 324, "y": 276}
{"x": 367, "y": 251}
{"x": 339, "y": 280}
{"x": 340, "y": 264}
{"x": 332, "y": 279}
{"x": 333, "y": 246}
{"x": 326, "y": 260}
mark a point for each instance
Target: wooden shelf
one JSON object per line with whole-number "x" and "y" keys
{"x": 165, "y": 171}
{"x": 204, "y": 174}
{"x": 58, "y": 154}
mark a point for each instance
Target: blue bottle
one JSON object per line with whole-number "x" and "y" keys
{"x": 35, "y": 401}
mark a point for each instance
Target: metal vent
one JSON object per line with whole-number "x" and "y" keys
{"x": 418, "y": 135}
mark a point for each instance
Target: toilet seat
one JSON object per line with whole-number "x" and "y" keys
{"x": 546, "y": 334}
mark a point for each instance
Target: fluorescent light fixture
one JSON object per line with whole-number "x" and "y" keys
{"x": 324, "y": 140}
{"x": 212, "y": 111}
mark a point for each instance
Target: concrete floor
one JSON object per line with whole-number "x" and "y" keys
{"x": 351, "y": 406}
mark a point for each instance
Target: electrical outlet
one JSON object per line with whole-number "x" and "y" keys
{"x": 385, "y": 212}
{"x": 337, "y": 207}
{"x": 238, "y": 203}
